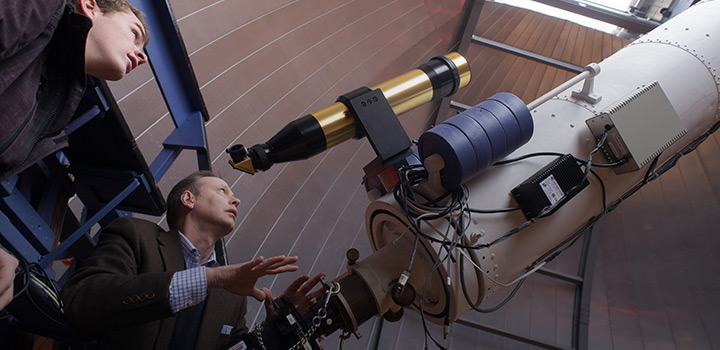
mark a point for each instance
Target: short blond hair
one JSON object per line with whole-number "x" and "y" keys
{"x": 109, "y": 6}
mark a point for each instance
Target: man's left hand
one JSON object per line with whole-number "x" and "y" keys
{"x": 298, "y": 292}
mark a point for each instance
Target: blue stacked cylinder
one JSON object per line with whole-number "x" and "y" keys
{"x": 478, "y": 137}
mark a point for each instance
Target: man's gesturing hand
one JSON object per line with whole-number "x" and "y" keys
{"x": 241, "y": 278}
{"x": 298, "y": 292}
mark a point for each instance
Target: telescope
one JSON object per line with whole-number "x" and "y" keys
{"x": 314, "y": 133}
{"x": 446, "y": 236}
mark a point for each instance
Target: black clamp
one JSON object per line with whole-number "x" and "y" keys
{"x": 376, "y": 120}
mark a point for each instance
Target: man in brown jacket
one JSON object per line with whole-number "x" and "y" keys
{"x": 147, "y": 288}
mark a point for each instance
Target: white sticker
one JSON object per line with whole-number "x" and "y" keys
{"x": 552, "y": 190}
{"x": 226, "y": 329}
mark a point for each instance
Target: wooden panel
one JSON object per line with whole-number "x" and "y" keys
{"x": 548, "y": 47}
{"x": 493, "y": 14}
{"x": 562, "y": 41}
{"x": 580, "y": 49}
{"x": 532, "y": 88}
{"x": 570, "y": 48}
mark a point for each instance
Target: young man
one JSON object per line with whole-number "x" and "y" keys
{"x": 46, "y": 49}
{"x": 147, "y": 288}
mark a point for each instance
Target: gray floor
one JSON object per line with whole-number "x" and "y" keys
{"x": 655, "y": 279}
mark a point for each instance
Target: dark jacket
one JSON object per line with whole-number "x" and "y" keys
{"x": 120, "y": 293}
{"x": 42, "y": 78}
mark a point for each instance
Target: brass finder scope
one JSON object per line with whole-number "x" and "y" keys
{"x": 336, "y": 123}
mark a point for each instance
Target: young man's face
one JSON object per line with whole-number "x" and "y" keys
{"x": 215, "y": 205}
{"x": 114, "y": 43}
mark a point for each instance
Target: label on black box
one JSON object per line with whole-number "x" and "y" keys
{"x": 552, "y": 189}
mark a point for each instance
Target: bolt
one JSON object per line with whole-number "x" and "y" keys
{"x": 352, "y": 255}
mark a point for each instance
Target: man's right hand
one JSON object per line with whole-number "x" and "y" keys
{"x": 241, "y": 278}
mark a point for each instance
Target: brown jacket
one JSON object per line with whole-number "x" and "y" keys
{"x": 120, "y": 297}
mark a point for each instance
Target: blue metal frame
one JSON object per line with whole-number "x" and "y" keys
{"x": 23, "y": 219}
{"x": 60, "y": 250}
{"x": 177, "y": 81}
{"x": 175, "y": 76}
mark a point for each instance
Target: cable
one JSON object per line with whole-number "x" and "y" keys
{"x": 669, "y": 164}
{"x": 493, "y": 211}
{"x": 422, "y": 304}
{"x": 602, "y": 188}
{"x": 430, "y": 210}
{"x": 516, "y": 280}
{"x": 446, "y": 310}
{"x": 548, "y": 209}
{"x": 492, "y": 309}
{"x": 529, "y": 155}
{"x": 650, "y": 175}
{"x": 454, "y": 211}
{"x": 538, "y": 263}
{"x": 540, "y": 154}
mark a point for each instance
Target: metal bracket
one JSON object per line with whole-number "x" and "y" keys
{"x": 587, "y": 94}
{"x": 378, "y": 122}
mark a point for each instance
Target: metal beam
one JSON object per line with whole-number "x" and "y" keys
{"x": 607, "y": 15}
{"x": 68, "y": 242}
{"x": 511, "y": 335}
{"x": 527, "y": 54}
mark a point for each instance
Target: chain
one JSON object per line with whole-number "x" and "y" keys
{"x": 258, "y": 333}
{"x": 330, "y": 290}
